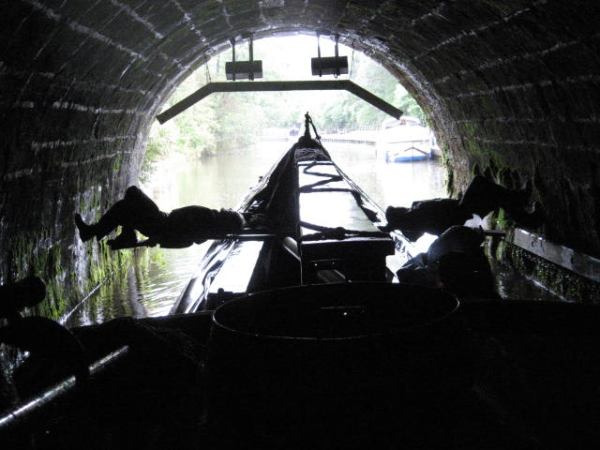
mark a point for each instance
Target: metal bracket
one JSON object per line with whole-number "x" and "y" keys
{"x": 332, "y": 65}
{"x": 270, "y": 86}
{"x": 250, "y": 69}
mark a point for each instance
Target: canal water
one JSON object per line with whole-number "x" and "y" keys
{"x": 151, "y": 285}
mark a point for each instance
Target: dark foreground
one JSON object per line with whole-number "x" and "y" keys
{"x": 364, "y": 372}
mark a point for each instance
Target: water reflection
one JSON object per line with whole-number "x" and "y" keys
{"x": 154, "y": 282}
{"x": 389, "y": 184}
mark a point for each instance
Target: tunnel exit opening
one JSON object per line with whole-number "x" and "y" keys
{"x": 222, "y": 122}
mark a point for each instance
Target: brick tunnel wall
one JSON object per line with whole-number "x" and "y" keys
{"x": 513, "y": 88}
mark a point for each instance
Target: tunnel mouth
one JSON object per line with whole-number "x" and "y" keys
{"x": 291, "y": 90}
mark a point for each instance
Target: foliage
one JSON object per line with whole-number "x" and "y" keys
{"x": 408, "y": 104}
{"x": 155, "y": 151}
{"x": 223, "y": 122}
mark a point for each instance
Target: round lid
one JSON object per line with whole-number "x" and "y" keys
{"x": 335, "y": 311}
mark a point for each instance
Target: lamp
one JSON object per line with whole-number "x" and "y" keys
{"x": 329, "y": 65}
{"x": 243, "y": 70}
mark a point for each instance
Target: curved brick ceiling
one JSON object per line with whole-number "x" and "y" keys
{"x": 513, "y": 87}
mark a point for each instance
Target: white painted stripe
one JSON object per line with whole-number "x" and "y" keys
{"x": 188, "y": 20}
{"x": 69, "y": 164}
{"x": 18, "y": 174}
{"x": 475, "y": 31}
{"x": 93, "y": 109}
{"x": 135, "y": 16}
{"x": 91, "y": 85}
{"x": 50, "y": 145}
{"x": 549, "y": 119}
{"x": 512, "y": 142}
{"x": 82, "y": 29}
{"x": 580, "y": 79}
{"x": 505, "y": 61}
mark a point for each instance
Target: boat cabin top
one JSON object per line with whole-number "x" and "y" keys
{"x": 325, "y": 229}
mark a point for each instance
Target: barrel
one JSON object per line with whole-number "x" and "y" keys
{"x": 327, "y": 364}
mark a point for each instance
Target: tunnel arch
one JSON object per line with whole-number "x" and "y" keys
{"x": 514, "y": 88}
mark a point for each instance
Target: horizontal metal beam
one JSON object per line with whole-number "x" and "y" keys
{"x": 272, "y": 86}
{"x": 565, "y": 257}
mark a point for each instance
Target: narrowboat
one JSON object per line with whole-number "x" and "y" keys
{"x": 317, "y": 227}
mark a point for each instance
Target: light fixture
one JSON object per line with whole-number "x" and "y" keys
{"x": 329, "y": 65}
{"x": 243, "y": 70}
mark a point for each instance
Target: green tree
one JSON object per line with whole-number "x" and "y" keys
{"x": 234, "y": 121}
{"x": 408, "y": 104}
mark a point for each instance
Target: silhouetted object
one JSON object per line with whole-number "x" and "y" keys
{"x": 455, "y": 261}
{"x": 55, "y": 353}
{"x": 340, "y": 365}
{"x": 8, "y": 395}
{"x": 180, "y": 228}
{"x": 21, "y": 294}
{"x": 481, "y": 197}
{"x": 14, "y": 297}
